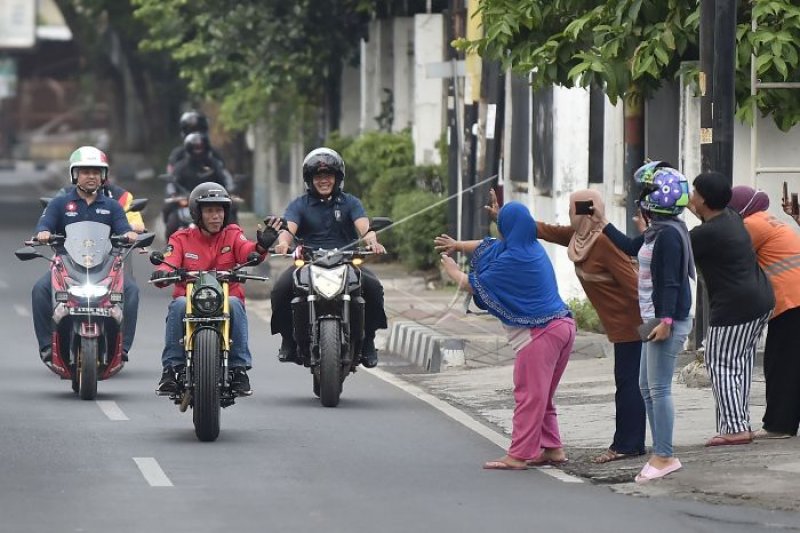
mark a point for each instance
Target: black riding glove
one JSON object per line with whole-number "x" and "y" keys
{"x": 266, "y": 237}
{"x": 158, "y": 275}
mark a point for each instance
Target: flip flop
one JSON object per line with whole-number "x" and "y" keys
{"x": 725, "y": 440}
{"x": 612, "y": 455}
{"x": 502, "y": 465}
{"x": 540, "y": 461}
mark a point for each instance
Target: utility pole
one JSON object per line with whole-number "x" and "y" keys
{"x": 453, "y": 134}
{"x": 633, "y": 111}
{"x": 724, "y": 85}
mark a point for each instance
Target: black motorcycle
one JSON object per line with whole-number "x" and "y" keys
{"x": 328, "y": 314}
{"x": 205, "y": 385}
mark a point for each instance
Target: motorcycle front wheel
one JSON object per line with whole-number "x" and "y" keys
{"x": 87, "y": 369}
{"x": 330, "y": 362}
{"x": 205, "y": 371}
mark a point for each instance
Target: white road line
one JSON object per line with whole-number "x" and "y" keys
{"x": 111, "y": 410}
{"x": 462, "y": 418}
{"x": 22, "y": 310}
{"x": 3, "y": 284}
{"x": 152, "y": 472}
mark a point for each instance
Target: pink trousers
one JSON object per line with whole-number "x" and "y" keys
{"x": 537, "y": 370}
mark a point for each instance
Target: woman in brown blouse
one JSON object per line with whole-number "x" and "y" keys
{"x": 609, "y": 279}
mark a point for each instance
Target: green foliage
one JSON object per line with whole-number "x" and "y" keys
{"x": 414, "y": 237}
{"x": 585, "y": 315}
{"x": 252, "y": 54}
{"x": 629, "y": 46}
{"x": 371, "y": 157}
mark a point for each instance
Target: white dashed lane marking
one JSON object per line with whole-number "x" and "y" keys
{"x": 22, "y": 310}
{"x": 111, "y": 410}
{"x": 152, "y": 472}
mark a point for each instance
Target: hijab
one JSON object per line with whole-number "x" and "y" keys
{"x": 587, "y": 228}
{"x": 512, "y": 277}
{"x": 747, "y": 201}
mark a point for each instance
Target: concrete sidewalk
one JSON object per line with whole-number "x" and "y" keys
{"x": 472, "y": 370}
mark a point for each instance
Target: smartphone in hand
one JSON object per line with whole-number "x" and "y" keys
{"x": 584, "y": 207}
{"x": 785, "y": 192}
{"x": 795, "y": 205}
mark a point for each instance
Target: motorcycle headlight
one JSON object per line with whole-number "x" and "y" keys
{"x": 206, "y": 301}
{"x": 88, "y": 291}
{"x": 328, "y": 282}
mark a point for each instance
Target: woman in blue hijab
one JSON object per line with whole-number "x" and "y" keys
{"x": 513, "y": 279}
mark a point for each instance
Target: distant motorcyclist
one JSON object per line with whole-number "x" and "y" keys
{"x": 326, "y": 217}
{"x": 190, "y": 122}
{"x": 214, "y": 243}
{"x": 199, "y": 165}
{"x": 88, "y": 170}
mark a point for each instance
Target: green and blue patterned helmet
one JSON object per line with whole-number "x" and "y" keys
{"x": 665, "y": 191}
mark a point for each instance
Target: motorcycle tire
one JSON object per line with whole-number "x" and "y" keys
{"x": 205, "y": 371}
{"x": 330, "y": 362}
{"x": 87, "y": 369}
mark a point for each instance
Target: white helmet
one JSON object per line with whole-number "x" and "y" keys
{"x": 88, "y": 156}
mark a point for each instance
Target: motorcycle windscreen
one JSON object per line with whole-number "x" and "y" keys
{"x": 87, "y": 243}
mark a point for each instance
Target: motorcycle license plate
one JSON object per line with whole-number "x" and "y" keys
{"x": 91, "y": 311}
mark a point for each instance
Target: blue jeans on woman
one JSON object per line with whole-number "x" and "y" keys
{"x": 173, "y": 354}
{"x": 655, "y": 382}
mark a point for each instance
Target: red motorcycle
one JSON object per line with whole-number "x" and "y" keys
{"x": 87, "y": 277}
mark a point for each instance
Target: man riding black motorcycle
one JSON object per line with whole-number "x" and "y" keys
{"x": 190, "y": 122}
{"x": 215, "y": 243}
{"x": 326, "y": 217}
{"x": 88, "y": 169}
{"x": 199, "y": 166}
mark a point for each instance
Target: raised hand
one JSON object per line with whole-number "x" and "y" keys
{"x": 493, "y": 206}
{"x": 445, "y": 244}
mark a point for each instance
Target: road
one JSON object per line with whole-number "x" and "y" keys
{"x": 382, "y": 461}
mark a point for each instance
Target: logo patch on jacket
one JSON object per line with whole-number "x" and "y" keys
{"x": 225, "y": 250}
{"x": 190, "y": 255}
{"x": 168, "y": 250}
{"x": 72, "y": 207}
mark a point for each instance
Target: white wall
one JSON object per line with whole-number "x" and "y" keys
{"x": 350, "y": 104}
{"x": 403, "y": 72}
{"x": 429, "y": 96}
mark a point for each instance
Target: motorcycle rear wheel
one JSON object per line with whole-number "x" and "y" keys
{"x": 205, "y": 371}
{"x": 330, "y": 362}
{"x": 87, "y": 369}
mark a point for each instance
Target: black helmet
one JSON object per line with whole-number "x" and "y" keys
{"x": 192, "y": 121}
{"x": 197, "y": 145}
{"x": 209, "y": 193}
{"x": 323, "y": 160}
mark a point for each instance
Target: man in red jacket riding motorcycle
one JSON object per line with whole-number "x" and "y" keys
{"x": 213, "y": 244}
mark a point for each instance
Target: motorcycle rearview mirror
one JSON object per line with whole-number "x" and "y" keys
{"x": 138, "y": 204}
{"x": 144, "y": 240}
{"x": 379, "y": 223}
{"x": 252, "y": 258}
{"x": 44, "y": 200}
{"x": 156, "y": 258}
{"x": 27, "y": 253}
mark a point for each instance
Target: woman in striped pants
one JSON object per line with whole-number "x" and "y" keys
{"x": 740, "y": 299}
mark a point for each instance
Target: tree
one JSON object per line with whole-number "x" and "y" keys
{"x": 145, "y": 97}
{"x": 254, "y": 55}
{"x": 629, "y": 47}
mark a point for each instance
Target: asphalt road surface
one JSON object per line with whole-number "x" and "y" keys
{"x": 382, "y": 461}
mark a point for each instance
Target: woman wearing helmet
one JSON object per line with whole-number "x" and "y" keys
{"x": 740, "y": 299}
{"x": 665, "y": 267}
{"x": 214, "y": 243}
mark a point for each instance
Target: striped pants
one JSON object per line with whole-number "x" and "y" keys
{"x": 730, "y": 352}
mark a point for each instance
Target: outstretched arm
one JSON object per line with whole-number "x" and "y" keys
{"x": 447, "y": 245}
{"x": 622, "y": 241}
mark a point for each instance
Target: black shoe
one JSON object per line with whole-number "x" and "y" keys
{"x": 168, "y": 383}
{"x": 240, "y": 383}
{"x": 287, "y": 351}
{"x": 369, "y": 355}
{"x": 46, "y": 354}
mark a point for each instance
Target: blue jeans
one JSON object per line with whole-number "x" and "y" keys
{"x": 655, "y": 382}
{"x": 173, "y": 354}
{"x": 42, "y": 304}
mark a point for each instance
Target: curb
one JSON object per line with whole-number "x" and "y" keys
{"x": 425, "y": 347}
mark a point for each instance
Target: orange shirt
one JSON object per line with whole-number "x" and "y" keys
{"x": 777, "y": 247}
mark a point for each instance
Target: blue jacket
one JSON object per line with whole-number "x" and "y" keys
{"x": 672, "y": 294}
{"x": 69, "y": 207}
